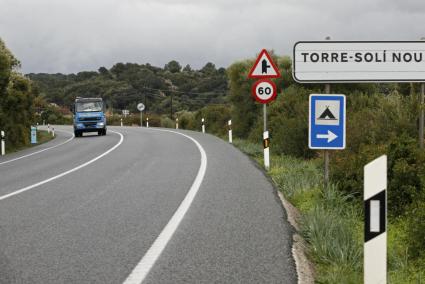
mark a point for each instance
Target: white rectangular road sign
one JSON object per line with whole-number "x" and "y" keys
{"x": 359, "y": 61}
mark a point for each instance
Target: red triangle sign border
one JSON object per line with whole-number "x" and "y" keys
{"x": 257, "y": 61}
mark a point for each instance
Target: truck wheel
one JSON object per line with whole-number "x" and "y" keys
{"x": 100, "y": 133}
{"x": 76, "y": 133}
{"x": 104, "y": 132}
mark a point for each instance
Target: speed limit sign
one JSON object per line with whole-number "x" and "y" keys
{"x": 264, "y": 91}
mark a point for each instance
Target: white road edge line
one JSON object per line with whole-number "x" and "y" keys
{"x": 25, "y": 156}
{"x": 65, "y": 173}
{"x": 142, "y": 269}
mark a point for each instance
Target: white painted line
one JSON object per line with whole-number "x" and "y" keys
{"x": 31, "y": 154}
{"x": 142, "y": 269}
{"x": 64, "y": 173}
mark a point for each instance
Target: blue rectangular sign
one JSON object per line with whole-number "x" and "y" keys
{"x": 33, "y": 135}
{"x": 327, "y": 122}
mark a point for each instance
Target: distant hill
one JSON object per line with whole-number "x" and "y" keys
{"x": 124, "y": 85}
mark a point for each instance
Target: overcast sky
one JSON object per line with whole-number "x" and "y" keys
{"x": 73, "y": 35}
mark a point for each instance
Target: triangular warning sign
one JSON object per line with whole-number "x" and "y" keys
{"x": 327, "y": 114}
{"x": 264, "y": 67}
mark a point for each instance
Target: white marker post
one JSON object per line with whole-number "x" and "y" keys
{"x": 375, "y": 229}
{"x": 147, "y": 122}
{"x": 3, "y": 147}
{"x": 266, "y": 144}
{"x": 177, "y": 123}
{"x": 53, "y": 132}
{"x": 121, "y": 122}
{"x": 48, "y": 128}
{"x": 203, "y": 125}
{"x": 230, "y": 131}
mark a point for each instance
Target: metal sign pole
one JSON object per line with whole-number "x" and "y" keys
{"x": 266, "y": 139}
{"x": 326, "y": 152}
{"x": 141, "y": 119}
{"x": 421, "y": 119}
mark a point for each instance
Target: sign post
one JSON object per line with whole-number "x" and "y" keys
{"x": 375, "y": 229}
{"x": 264, "y": 91}
{"x": 141, "y": 108}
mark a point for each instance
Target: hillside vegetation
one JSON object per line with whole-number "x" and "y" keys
{"x": 163, "y": 90}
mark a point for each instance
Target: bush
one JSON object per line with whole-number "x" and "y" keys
{"x": 166, "y": 122}
{"x": 405, "y": 173}
{"x": 416, "y": 229}
{"x": 216, "y": 119}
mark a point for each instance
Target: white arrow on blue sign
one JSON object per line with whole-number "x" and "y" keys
{"x": 326, "y": 122}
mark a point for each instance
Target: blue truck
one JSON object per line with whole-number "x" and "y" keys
{"x": 89, "y": 116}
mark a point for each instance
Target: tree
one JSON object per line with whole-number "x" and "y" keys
{"x": 173, "y": 66}
{"x": 209, "y": 69}
{"x": 16, "y": 100}
{"x": 187, "y": 68}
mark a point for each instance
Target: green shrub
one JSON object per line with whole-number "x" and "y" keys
{"x": 416, "y": 229}
{"x": 166, "y": 122}
{"x": 405, "y": 174}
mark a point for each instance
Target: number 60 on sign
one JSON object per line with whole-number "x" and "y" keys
{"x": 264, "y": 91}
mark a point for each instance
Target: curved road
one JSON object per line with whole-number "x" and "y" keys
{"x": 98, "y": 209}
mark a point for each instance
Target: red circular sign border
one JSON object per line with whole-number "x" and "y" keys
{"x": 254, "y": 94}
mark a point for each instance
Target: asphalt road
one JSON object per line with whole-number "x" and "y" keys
{"x": 98, "y": 209}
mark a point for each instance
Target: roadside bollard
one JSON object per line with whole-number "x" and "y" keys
{"x": 203, "y": 125}
{"x": 177, "y": 123}
{"x": 53, "y": 132}
{"x": 266, "y": 145}
{"x": 48, "y": 128}
{"x": 3, "y": 147}
{"x": 147, "y": 122}
{"x": 230, "y": 131}
{"x": 121, "y": 122}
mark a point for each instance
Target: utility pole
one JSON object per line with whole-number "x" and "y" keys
{"x": 421, "y": 118}
{"x": 171, "y": 107}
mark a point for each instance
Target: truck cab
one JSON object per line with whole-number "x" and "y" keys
{"x": 89, "y": 116}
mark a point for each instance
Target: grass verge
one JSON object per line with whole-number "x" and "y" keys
{"x": 332, "y": 223}
{"x": 42, "y": 137}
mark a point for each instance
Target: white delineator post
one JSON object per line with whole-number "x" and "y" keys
{"x": 121, "y": 122}
{"x": 53, "y": 132}
{"x": 266, "y": 144}
{"x": 147, "y": 122}
{"x": 3, "y": 147}
{"x": 48, "y": 128}
{"x": 203, "y": 125}
{"x": 375, "y": 227}
{"x": 177, "y": 123}
{"x": 230, "y": 131}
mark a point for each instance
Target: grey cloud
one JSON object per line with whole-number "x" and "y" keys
{"x": 69, "y": 36}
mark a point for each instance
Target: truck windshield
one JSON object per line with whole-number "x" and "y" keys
{"x": 89, "y": 106}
